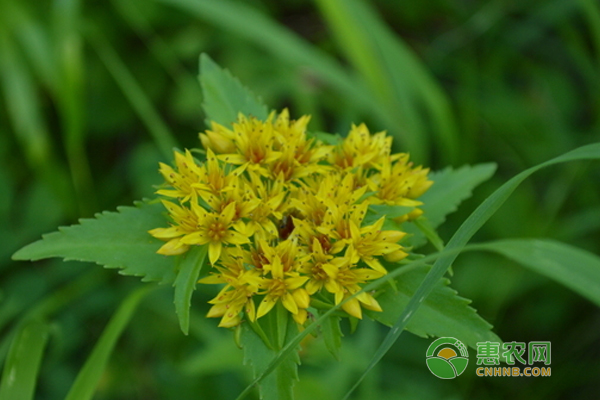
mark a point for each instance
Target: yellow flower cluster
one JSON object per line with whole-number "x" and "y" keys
{"x": 283, "y": 214}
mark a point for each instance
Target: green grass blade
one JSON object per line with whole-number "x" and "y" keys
{"x": 162, "y": 135}
{"x": 23, "y": 361}
{"x": 29, "y": 125}
{"x": 69, "y": 92}
{"x": 185, "y": 283}
{"x": 591, "y": 12}
{"x": 52, "y": 303}
{"x": 160, "y": 48}
{"x": 362, "y": 49}
{"x": 36, "y": 42}
{"x": 398, "y": 76}
{"x": 283, "y": 44}
{"x": 460, "y": 239}
{"x": 575, "y": 268}
{"x": 87, "y": 380}
{"x": 409, "y": 74}
{"x": 340, "y": 17}
{"x": 22, "y": 104}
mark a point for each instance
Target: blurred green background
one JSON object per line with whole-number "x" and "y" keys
{"x": 94, "y": 94}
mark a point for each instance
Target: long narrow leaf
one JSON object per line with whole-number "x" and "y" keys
{"x": 52, "y": 303}
{"x": 356, "y": 45}
{"x": 23, "y": 105}
{"x": 36, "y": 43}
{"x": 361, "y": 48}
{"x": 69, "y": 92}
{"x": 23, "y": 363}
{"x": 393, "y": 71}
{"x": 29, "y": 125}
{"x": 247, "y": 22}
{"x": 87, "y": 380}
{"x": 460, "y": 239}
{"x": 591, "y": 12}
{"x": 575, "y": 268}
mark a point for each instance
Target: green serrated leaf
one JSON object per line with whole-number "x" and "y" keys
{"x": 258, "y": 329}
{"x": 443, "y": 313}
{"x": 23, "y": 361}
{"x": 273, "y": 326}
{"x": 185, "y": 283}
{"x": 112, "y": 239}
{"x": 450, "y": 188}
{"x": 279, "y": 384}
{"x": 575, "y": 268}
{"x": 332, "y": 335}
{"x": 225, "y": 96}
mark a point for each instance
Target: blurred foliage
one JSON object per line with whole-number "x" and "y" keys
{"x": 93, "y": 95}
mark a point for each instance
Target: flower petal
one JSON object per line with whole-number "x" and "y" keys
{"x": 234, "y": 237}
{"x": 218, "y": 310}
{"x": 300, "y": 317}
{"x": 290, "y": 303}
{"x": 352, "y": 307}
{"x": 301, "y": 298}
{"x": 265, "y": 306}
{"x": 230, "y": 320}
{"x": 166, "y": 233}
{"x": 228, "y": 213}
{"x": 173, "y": 247}
{"x": 198, "y": 238}
{"x": 214, "y": 251}
{"x": 295, "y": 282}
{"x": 250, "y": 310}
{"x": 313, "y": 286}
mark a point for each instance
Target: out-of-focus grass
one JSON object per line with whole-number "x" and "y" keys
{"x": 95, "y": 94}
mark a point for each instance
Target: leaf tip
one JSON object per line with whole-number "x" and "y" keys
{"x": 184, "y": 324}
{"x": 206, "y": 63}
{"x": 19, "y": 255}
